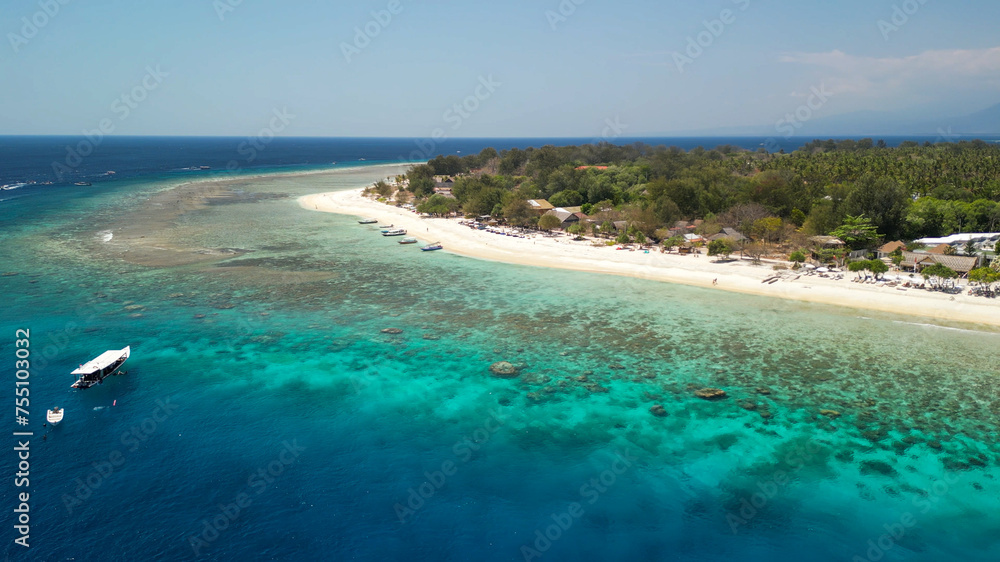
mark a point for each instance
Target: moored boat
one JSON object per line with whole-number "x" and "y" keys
{"x": 55, "y": 415}
{"x": 367, "y": 221}
{"x": 395, "y": 232}
{"x": 432, "y": 247}
{"x": 101, "y": 367}
{"x": 83, "y": 183}
{"x": 408, "y": 241}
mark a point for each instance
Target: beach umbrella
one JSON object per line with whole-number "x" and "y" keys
{"x": 823, "y": 270}
{"x": 810, "y": 266}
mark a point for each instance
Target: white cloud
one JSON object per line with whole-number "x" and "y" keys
{"x": 893, "y": 76}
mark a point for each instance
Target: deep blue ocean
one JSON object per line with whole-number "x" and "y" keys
{"x": 265, "y": 415}
{"x": 66, "y": 160}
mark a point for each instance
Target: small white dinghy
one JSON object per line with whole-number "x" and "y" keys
{"x": 55, "y": 415}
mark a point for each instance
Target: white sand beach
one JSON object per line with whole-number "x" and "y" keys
{"x": 737, "y": 276}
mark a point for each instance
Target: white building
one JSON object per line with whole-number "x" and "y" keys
{"x": 978, "y": 237}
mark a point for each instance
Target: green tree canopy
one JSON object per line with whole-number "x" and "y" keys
{"x": 857, "y": 232}
{"x": 549, "y": 222}
{"x": 518, "y": 212}
{"x": 908, "y": 192}
{"x": 437, "y": 205}
{"x": 768, "y": 229}
{"x": 882, "y": 201}
{"x": 721, "y": 247}
{"x": 939, "y": 271}
{"x": 673, "y": 241}
{"x": 446, "y": 165}
{"x": 512, "y": 161}
{"x": 857, "y": 266}
{"x": 878, "y": 267}
{"x": 382, "y": 188}
{"x": 483, "y": 202}
{"x": 984, "y": 275}
{"x": 566, "y": 198}
{"x": 896, "y": 256}
{"x": 781, "y": 191}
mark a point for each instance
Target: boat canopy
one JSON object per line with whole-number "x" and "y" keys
{"x": 102, "y": 361}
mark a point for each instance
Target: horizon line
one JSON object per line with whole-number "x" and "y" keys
{"x": 503, "y": 137}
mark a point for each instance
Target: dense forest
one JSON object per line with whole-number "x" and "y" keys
{"x": 904, "y": 192}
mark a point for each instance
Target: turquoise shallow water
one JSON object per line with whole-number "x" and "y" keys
{"x": 405, "y": 447}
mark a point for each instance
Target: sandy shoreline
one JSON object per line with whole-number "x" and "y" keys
{"x": 737, "y": 276}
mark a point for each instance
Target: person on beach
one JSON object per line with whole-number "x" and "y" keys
{"x": 715, "y": 281}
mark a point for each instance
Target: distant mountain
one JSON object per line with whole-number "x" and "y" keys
{"x": 872, "y": 124}
{"x": 866, "y": 123}
{"x": 985, "y": 122}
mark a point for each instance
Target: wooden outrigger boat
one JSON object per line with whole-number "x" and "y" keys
{"x": 101, "y": 367}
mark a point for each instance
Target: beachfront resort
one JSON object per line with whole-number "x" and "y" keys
{"x": 752, "y": 217}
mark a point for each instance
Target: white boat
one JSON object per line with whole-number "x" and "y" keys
{"x": 367, "y": 221}
{"x": 408, "y": 241}
{"x": 55, "y": 415}
{"x": 101, "y": 367}
{"x": 395, "y": 232}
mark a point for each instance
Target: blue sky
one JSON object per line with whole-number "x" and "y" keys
{"x": 555, "y": 68}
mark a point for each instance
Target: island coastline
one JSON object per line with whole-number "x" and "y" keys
{"x": 738, "y": 276}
